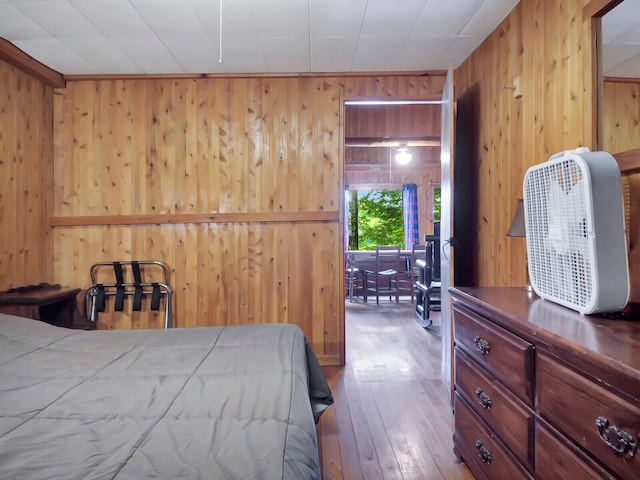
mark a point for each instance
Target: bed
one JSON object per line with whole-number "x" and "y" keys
{"x": 235, "y": 402}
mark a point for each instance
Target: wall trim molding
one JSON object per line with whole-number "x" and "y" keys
{"x": 186, "y": 218}
{"x": 16, "y": 57}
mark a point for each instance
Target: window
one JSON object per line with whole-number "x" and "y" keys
{"x": 375, "y": 218}
{"x": 436, "y": 204}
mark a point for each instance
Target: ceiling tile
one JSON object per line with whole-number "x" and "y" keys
{"x": 616, "y": 54}
{"x": 336, "y": 18}
{"x": 489, "y": 16}
{"x": 59, "y": 56}
{"x": 457, "y": 52}
{"x": 425, "y": 51}
{"x": 194, "y": 53}
{"x": 17, "y": 25}
{"x": 620, "y": 20}
{"x": 374, "y": 52}
{"x": 631, "y": 36}
{"x": 330, "y": 54}
{"x": 115, "y": 18}
{"x": 170, "y": 18}
{"x": 286, "y": 54}
{"x": 287, "y": 18}
{"x": 628, "y": 69}
{"x": 446, "y": 18}
{"x": 383, "y": 19}
{"x": 99, "y": 52}
{"x": 149, "y": 54}
{"x": 238, "y": 20}
{"x": 244, "y": 56}
{"x": 58, "y": 17}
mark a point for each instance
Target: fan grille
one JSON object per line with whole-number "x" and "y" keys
{"x": 559, "y": 233}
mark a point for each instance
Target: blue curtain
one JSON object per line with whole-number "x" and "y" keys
{"x": 410, "y": 214}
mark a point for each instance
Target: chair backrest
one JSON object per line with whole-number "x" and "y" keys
{"x": 428, "y": 260}
{"x": 417, "y": 252}
{"x": 434, "y": 241}
{"x": 388, "y": 257}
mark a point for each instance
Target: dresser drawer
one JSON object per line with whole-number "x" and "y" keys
{"x": 575, "y": 405}
{"x": 557, "y": 457}
{"x": 482, "y": 447}
{"x": 511, "y": 419}
{"x": 505, "y": 355}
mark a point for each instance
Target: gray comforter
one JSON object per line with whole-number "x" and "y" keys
{"x": 213, "y": 402}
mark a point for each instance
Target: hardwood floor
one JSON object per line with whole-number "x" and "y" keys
{"x": 392, "y": 418}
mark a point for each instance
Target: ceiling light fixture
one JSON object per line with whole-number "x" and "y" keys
{"x": 403, "y": 157}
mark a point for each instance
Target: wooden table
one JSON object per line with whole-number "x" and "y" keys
{"x": 48, "y": 303}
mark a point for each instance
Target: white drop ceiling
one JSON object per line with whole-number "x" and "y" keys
{"x": 274, "y": 36}
{"x": 258, "y": 36}
{"x": 621, "y": 40}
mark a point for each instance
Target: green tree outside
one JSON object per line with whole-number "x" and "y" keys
{"x": 380, "y": 222}
{"x": 437, "y": 199}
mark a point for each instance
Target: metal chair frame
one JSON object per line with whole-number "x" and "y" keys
{"x": 127, "y": 288}
{"x": 428, "y": 289}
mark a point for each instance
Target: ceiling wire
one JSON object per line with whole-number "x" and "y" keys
{"x": 220, "y": 45}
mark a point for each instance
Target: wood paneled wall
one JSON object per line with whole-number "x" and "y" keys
{"x": 621, "y": 115}
{"x": 547, "y": 43}
{"x": 26, "y": 156}
{"x": 418, "y": 120}
{"x": 235, "y": 183}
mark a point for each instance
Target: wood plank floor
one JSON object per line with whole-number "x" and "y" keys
{"x": 392, "y": 418}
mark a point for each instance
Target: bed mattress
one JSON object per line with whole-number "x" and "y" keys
{"x": 213, "y": 402}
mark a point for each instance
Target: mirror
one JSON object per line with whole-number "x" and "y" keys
{"x": 621, "y": 78}
{"x": 619, "y": 102}
{"x": 621, "y": 41}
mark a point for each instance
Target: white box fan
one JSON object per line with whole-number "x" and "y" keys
{"x": 574, "y": 220}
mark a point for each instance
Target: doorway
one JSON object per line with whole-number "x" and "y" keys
{"x": 390, "y": 147}
{"x": 377, "y": 133}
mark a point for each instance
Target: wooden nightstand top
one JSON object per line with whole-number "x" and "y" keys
{"x": 42, "y": 294}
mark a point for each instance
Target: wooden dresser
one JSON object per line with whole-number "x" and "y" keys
{"x": 542, "y": 391}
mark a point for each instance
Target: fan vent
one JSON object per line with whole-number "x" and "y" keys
{"x": 575, "y": 231}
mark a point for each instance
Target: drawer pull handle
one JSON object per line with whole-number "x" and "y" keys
{"x": 483, "y": 452}
{"x": 618, "y": 440}
{"x": 483, "y": 398}
{"x": 482, "y": 345}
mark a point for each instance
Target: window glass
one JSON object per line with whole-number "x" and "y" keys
{"x": 375, "y": 218}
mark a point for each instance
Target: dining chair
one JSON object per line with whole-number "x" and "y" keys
{"x": 407, "y": 273}
{"x": 384, "y": 279}
{"x": 352, "y": 277}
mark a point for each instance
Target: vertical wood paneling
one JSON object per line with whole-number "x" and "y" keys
{"x": 543, "y": 42}
{"x": 621, "y": 115}
{"x": 392, "y": 121}
{"x": 225, "y": 145}
{"x": 163, "y": 146}
{"x": 26, "y": 173}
